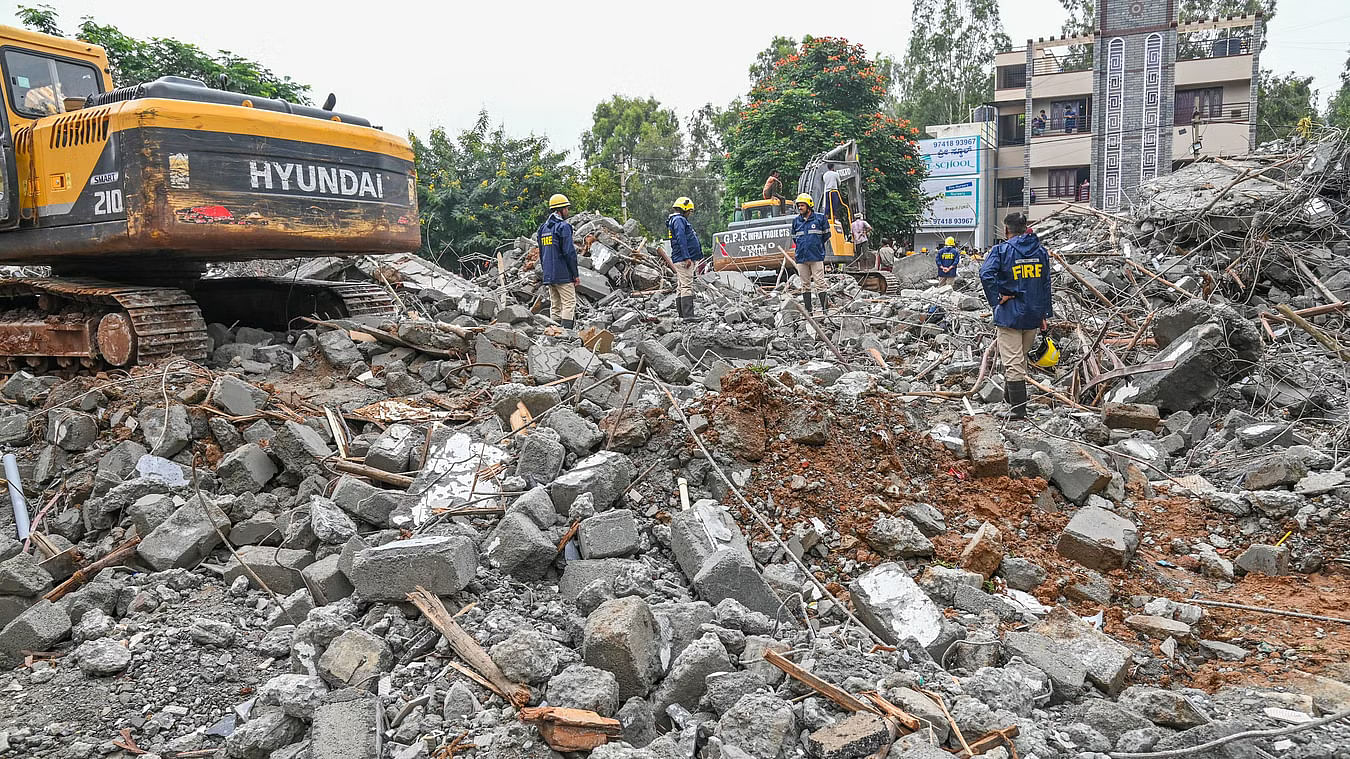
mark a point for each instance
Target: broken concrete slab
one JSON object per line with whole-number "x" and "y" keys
{"x": 984, "y": 446}
{"x": 1099, "y": 539}
{"x": 605, "y": 475}
{"x": 620, "y": 637}
{"x": 894, "y": 607}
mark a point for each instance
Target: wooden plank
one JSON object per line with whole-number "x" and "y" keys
{"x": 389, "y": 478}
{"x": 466, "y": 647}
{"x": 834, "y": 693}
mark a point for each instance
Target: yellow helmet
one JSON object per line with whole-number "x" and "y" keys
{"x": 684, "y": 204}
{"x": 923, "y": 250}
{"x": 1044, "y": 353}
{"x": 951, "y": 240}
{"x": 806, "y": 198}
{"x": 559, "y": 200}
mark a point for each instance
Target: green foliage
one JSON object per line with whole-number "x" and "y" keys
{"x": 40, "y": 18}
{"x": 1282, "y": 101}
{"x": 1338, "y": 110}
{"x": 485, "y": 188}
{"x": 779, "y": 47}
{"x": 643, "y": 138}
{"x": 949, "y": 65}
{"x": 133, "y": 61}
{"x": 824, "y": 94}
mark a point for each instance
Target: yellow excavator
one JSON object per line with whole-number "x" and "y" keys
{"x": 127, "y": 193}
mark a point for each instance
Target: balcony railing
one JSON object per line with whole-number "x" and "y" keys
{"x": 1225, "y": 113}
{"x": 1060, "y": 194}
{"x": 1061, "y": 126}
{"x": 1199, "y": 45}
{"x": 1067, "y": 60}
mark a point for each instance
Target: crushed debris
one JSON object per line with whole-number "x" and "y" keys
{"x": 469, "y": 532}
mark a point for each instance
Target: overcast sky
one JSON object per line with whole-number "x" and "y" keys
{"x": 542, "y": 66}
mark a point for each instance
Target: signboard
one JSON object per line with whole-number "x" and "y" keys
{"x": 951, "y": 156}
{"x": 955, "y": 204}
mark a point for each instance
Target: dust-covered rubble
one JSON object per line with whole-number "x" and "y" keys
{"x": 864, "y": 562}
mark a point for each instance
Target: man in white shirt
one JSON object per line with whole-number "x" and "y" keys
{"x": 834, "y": 202}
{"x": 861, "y": 229}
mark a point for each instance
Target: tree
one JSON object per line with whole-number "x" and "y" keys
{"x": 949, "y": 65}
{"x": 1284, "y": 101}
{"x": 821, "y": 95}
{"x": 133, "y": 61}
{"x": 1081, "y": 17}
{"x": 643, "y": 138}
{"x": 1338, "y": 110}
{"x": 779, "y": 47}
{"x": 484, "y": 188}
{"x": 40, "y": 18}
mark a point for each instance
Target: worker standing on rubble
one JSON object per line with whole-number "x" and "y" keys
{"x": 1016, "y": 279}
{"x": 809, "y": 229}
{"x": 861, "y": 229}
{"x": 685, "y": 251}
{"x": 947, "y": 259}
{"x": 558, "y": 260}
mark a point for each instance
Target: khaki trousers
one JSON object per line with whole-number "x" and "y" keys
{"x": 813, "y": 276}
{"x": 1013, "y": 345}
{"x": 684, "y": 277}
{"x": 562, "y": 301}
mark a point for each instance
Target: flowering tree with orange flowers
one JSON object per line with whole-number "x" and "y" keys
{"x": 825, "y": 93}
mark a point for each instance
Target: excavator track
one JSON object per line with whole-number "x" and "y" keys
{"x": 67, "y": 324}
{"x": 882, "y": 282}
{"x": 75, "y": 322}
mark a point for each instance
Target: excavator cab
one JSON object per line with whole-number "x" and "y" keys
{"x": 127, "y": 193}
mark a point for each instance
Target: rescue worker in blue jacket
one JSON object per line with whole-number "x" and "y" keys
{"x": 947, "y": 259}
{"x": 558, "y": 260}
{"x": 809, "y": 230}
{"x": 1016, "y": 279}
{"x": 685, "y": 253}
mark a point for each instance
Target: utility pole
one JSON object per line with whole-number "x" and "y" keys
{"x": 623, "y": 187}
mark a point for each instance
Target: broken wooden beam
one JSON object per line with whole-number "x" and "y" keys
{"x": 467, "y": 648}
{"x": 567, "y": 730}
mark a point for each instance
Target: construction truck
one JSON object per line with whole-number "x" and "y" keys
{"x": 127, "y": 193}
{"x": 758, "y": 241}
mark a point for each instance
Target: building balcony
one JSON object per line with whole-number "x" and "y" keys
{"x": 1201, "y": 71}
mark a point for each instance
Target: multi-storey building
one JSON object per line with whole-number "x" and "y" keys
{"x": 1085, "y": 119}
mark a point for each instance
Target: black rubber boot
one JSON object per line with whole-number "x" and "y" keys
{"x": 1016, "y": 393}
{"x": 687, "y": 310}
{"x": 567, "y": 323}
{"x": 806, "y": 301}
{"x": 824, "y": 303}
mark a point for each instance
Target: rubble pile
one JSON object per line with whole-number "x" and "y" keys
{"x": 467, "y": 531}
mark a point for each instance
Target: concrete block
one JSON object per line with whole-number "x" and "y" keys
{"x": 700, "y": 531}
{"x": 729, "y": 573}
{"x": 667, "y": 365}
{"x": 605, "y": 475}
{"x": 391, "y": 450}
{"x": 984, "y": 446}
{"x": 518, "y": 547}
{"x": 893, "y": 606}
{"x": 1131, "y": 416}
{"x": 278, "y": 567}
{"x": 235, "y": 396}
{"x": 620, "y": 637}
{"x": 1066, "y": 672}
{"x": 1099, "y": 539}
{"x": 185, "y": 538}
{"x": 607, "y": 535}
{"x": 246, "y": 469}
{"x": 355, "y": 659}
{"x": 38, "y": 628}
{"x": 1262, "y": 559}
{"x": 983, "y": 554}
{"x": 327, "y": 580}
{"x": 443, "y": 564}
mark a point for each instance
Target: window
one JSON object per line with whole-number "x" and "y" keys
{"x": 1010, "y": 192}
{"x": 1012, "y": 129}
{"x": 1063, "y": 183}
{"x": 39, "y": 85}
{"x": 1198, "y": 105}
{"x": 1012, "y": 76}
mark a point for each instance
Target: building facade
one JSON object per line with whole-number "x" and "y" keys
{"x": 1084, "y": 120}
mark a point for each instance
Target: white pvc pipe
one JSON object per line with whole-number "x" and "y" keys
{"x": 16, "y": 498}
